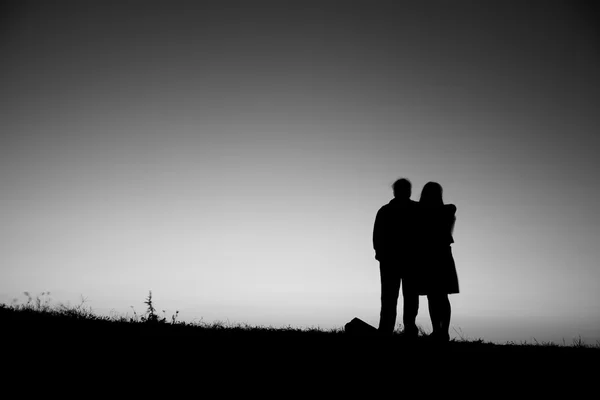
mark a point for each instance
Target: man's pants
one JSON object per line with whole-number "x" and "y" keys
{"x": 391, "y": 277}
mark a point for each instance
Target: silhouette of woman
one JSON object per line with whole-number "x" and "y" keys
{"x": 437, "y": 271}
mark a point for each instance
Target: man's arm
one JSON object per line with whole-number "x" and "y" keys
{"x": 377, "y": 233}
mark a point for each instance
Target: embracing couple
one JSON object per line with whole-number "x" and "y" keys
{"x": 412, "y": 242}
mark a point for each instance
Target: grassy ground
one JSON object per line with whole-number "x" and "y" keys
{"x": 151, "y": 347}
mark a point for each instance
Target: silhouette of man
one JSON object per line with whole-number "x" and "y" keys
{"x": 393, "y": 241}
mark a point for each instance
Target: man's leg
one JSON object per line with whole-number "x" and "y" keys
{"x": 411, "y": 309}
{"x": 390, "y": 288}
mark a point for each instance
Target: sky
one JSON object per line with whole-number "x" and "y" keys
{"x": 231, "y": 157}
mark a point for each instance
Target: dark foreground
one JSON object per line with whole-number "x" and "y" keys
{"x": 165, "y": 355}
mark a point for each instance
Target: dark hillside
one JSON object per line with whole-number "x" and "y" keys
{"x": 75, "y": 340}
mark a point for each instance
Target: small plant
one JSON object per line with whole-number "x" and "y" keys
{"x": 174, "y": 317}
{"x": 151, "y": 316}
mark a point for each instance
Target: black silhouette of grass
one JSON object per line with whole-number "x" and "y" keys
{"x": 77, "y": 328}
{"x": 75, "y": 344}
{"x": 37, "y": 314}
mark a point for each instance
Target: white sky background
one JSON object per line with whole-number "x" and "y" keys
{"x": 232, "y": 159}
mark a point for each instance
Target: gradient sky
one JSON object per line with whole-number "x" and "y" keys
{"x": 231, "y": 156}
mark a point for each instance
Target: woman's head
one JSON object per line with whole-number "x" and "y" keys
{"x": 432, "y": 194}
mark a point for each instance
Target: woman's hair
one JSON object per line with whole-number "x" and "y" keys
{"x": 432, "y": 194}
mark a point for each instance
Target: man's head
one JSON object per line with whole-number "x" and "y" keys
{"x": 402, "y": 188}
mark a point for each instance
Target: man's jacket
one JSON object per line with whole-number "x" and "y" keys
{"x": 394, "y": 233}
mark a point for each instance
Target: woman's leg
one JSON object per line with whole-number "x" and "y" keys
{"x": 445, "y": 314}
{"x": 440, "y": 312}
{"x": 434, "y": 312}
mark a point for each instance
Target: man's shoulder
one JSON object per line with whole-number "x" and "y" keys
{"x": 410, "y": 205}
{"x": 395, "y": 207}
{"x": 382, "y": 211}
{"x": 383, "y": 207}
